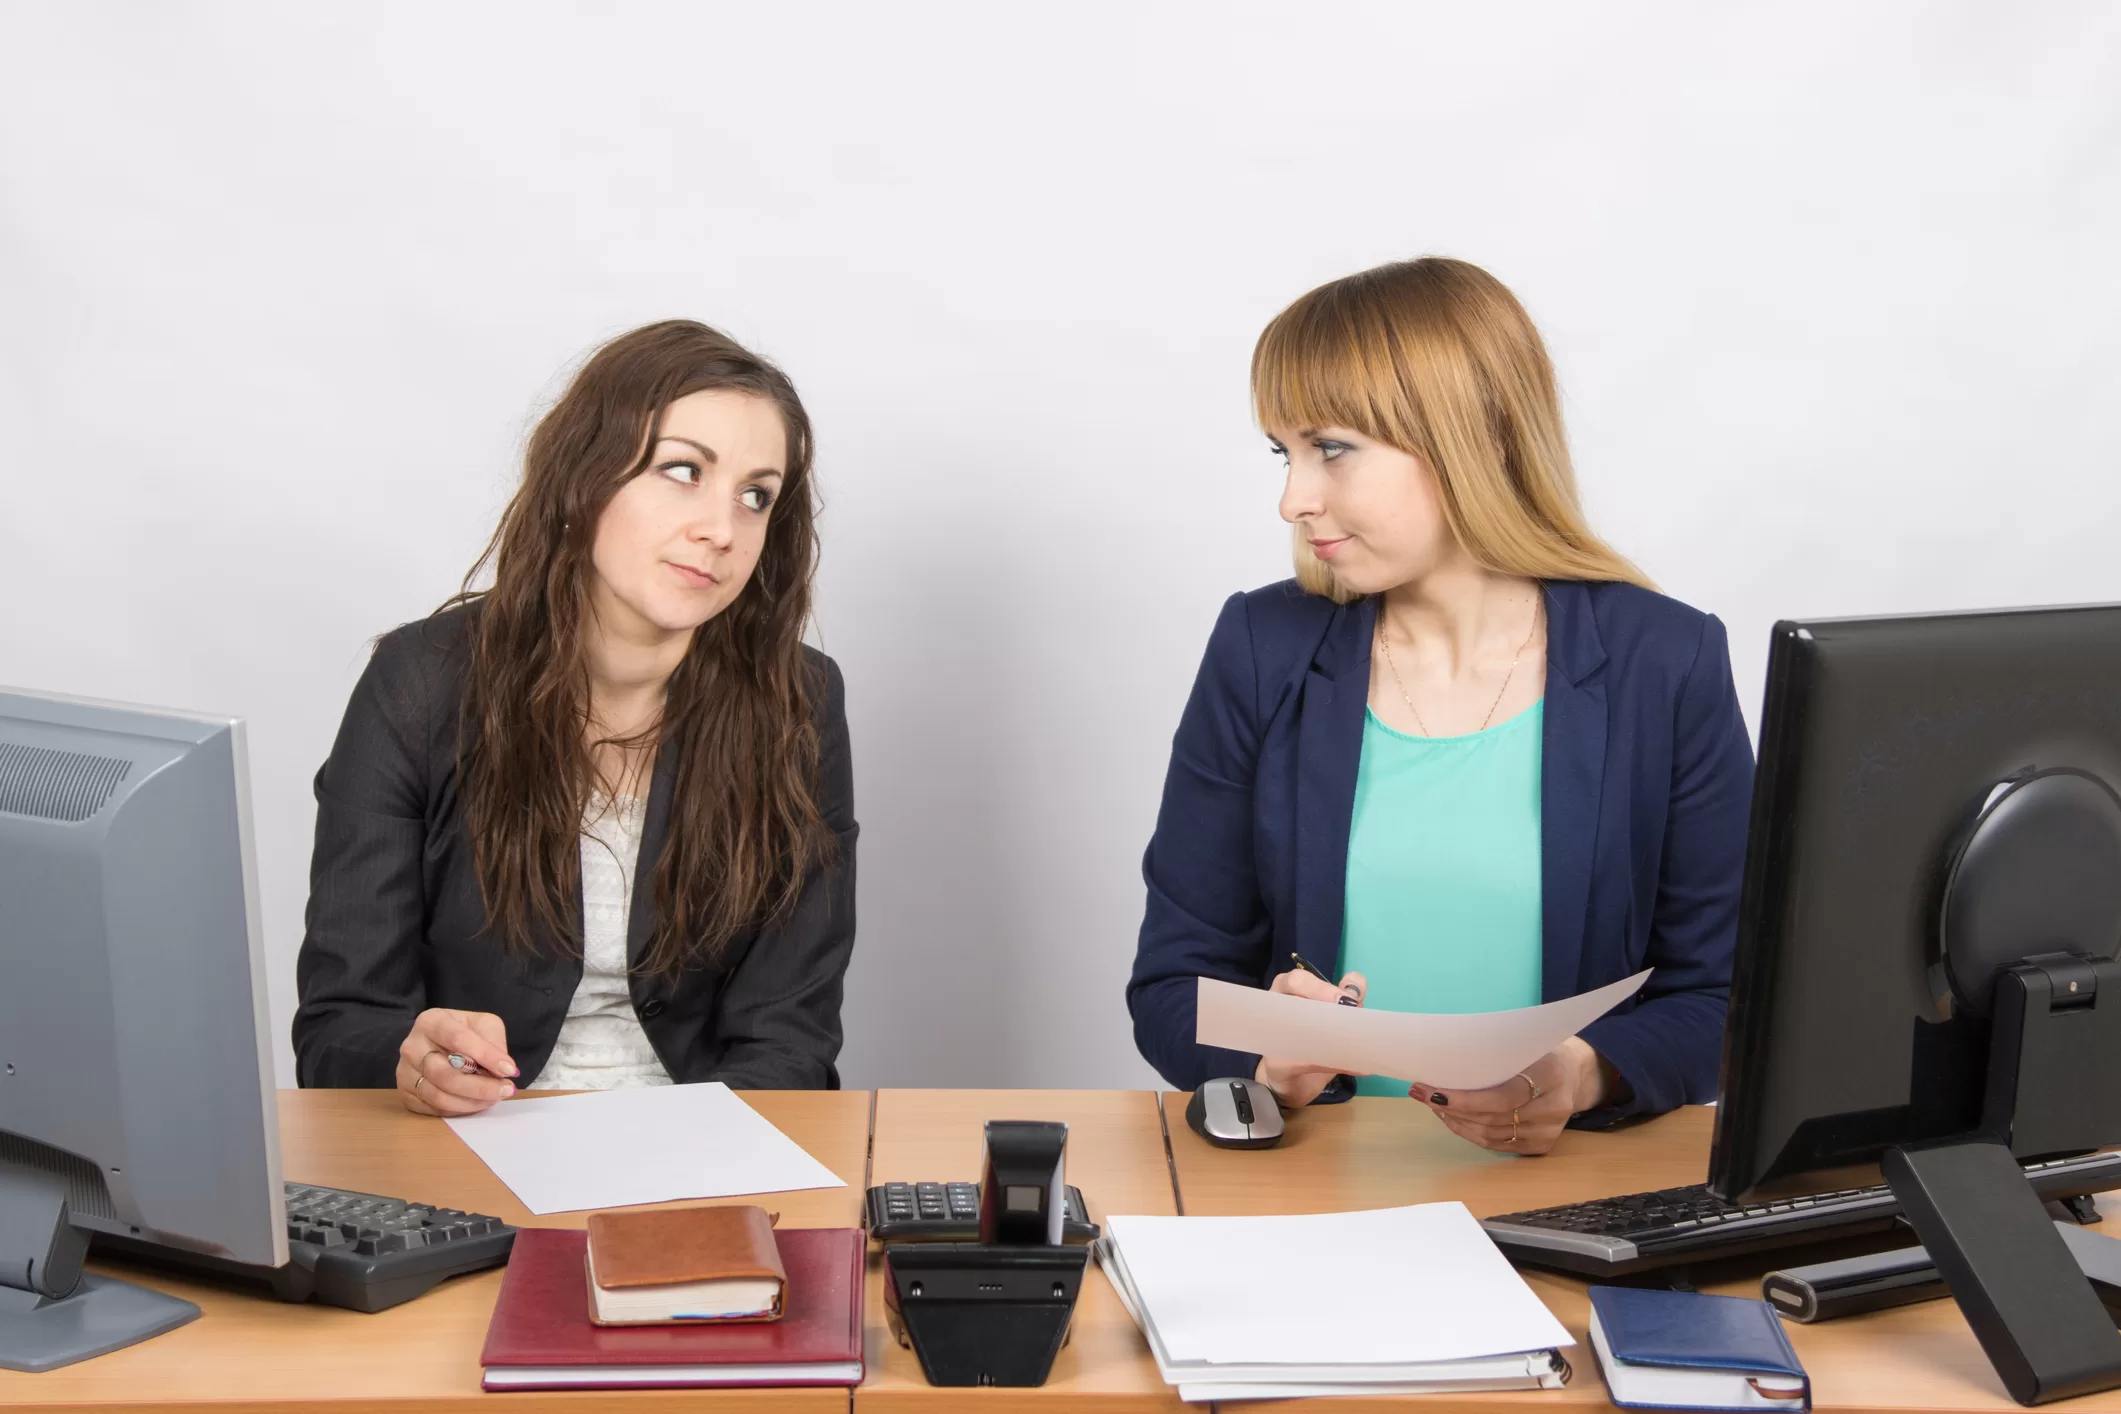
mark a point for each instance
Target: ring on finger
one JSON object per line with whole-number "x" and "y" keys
{"x": 1533, "y": 1085}
{"x": 418, "y": 1081}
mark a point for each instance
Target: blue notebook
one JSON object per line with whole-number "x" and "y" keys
{"x": 1683, "y": 1350}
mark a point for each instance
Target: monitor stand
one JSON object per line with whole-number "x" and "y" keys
{"x": 51, "y": 1312}
{"x": 2054, "y": 1040}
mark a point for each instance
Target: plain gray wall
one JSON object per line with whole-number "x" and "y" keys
{"x": 1832, "y": 291}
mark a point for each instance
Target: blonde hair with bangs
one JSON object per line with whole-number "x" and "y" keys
{"x": 1437, "y": 358}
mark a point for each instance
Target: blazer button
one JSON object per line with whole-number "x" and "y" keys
{"x": 651, "y": 1009}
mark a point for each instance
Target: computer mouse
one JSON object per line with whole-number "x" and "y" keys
{"x": 1235, "y": 1114}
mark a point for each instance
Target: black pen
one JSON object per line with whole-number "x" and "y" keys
{"x": 1298, "y": 959}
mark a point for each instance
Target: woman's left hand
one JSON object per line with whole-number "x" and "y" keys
{"x": 1510, "y": 1117}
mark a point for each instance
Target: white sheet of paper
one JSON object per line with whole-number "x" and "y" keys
{"x": 1467, "y": 1052}
{"x": 1385, "y": 1287}
{"x": 612, "y": 1148}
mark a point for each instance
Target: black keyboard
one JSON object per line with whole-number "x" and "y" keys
{"x": 357, "y": 1250}
{"x": 949, "y": 1212}
{"x": 1640, "y": 1231}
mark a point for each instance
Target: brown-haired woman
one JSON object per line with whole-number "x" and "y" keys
{"x": 594, "y": 826}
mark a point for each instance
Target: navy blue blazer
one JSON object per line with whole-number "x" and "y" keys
{"x": 1647, "y": 779}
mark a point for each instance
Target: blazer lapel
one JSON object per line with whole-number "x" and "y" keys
{"x": 1329, "y": 754}
{"x": 1572, "y": 776}
{"x": 655, "y": 826}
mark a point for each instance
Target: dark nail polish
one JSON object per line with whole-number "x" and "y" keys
{"x": 1439, "y": 1098}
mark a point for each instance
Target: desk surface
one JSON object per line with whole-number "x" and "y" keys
{"x": 249, "y": 1353}
{"x": 1381, "y": 1152}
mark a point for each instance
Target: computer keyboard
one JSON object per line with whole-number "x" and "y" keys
{"x": 362, "y": 1251}
{"x": 1640, "y": 1231}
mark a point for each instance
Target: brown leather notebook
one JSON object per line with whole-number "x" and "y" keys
{"x": 685, "y": 1264}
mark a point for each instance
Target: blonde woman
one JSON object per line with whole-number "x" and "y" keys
{"x": 1467, "y": 759}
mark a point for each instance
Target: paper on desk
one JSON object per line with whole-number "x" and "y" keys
{"x": 1369, "y": 1294}
{"x": 1266, "y": 1378}
{"x": 1467, "y": 1052}
{"x": 611, "y": 1148}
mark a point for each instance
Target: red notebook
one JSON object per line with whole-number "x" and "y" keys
{"x": 542, "y": 1337}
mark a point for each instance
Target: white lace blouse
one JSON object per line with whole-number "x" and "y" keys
{"x": 601, "y": 1044}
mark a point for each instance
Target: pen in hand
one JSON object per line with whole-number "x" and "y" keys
{"x": 1298, "y": 959}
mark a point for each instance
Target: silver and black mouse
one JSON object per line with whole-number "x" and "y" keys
{"x": 1236, "y": 1114}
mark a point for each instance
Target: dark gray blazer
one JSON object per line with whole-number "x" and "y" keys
{"x": 395, "y": 924}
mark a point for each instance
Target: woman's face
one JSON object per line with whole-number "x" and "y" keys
{"x": 1371, "y": 512}
{"x": 678, "y": 543}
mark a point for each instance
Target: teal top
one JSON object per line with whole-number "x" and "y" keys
{"x": 1443, "y": 894}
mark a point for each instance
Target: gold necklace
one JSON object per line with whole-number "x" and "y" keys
{"x": 1384, "y": 641}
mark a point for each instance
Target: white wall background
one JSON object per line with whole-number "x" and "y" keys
{"x": 1835, "y": 291}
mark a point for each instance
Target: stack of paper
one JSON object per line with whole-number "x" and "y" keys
{"x": 1393, "y": 1301}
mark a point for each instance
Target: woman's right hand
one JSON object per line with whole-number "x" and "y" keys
{"x": 1293, "y": 1082}
{"x": 430, "y": 1085}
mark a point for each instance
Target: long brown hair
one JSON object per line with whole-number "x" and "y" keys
{"x": 1437, "y": 358}
{"x": 744, "y": 824}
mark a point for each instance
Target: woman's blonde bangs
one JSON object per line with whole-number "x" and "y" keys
{"x": 1322, "y": 364}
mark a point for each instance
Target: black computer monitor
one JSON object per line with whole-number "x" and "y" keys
{"x": 1925, "y": 973}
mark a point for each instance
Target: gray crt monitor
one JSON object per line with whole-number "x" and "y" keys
{"x": 135, "y": 1073}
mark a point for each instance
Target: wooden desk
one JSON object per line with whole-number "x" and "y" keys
{"x": 1115, "y": 1155}
{"x": 1379, "y": 1152}
{"x": 251, "y": 1353}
